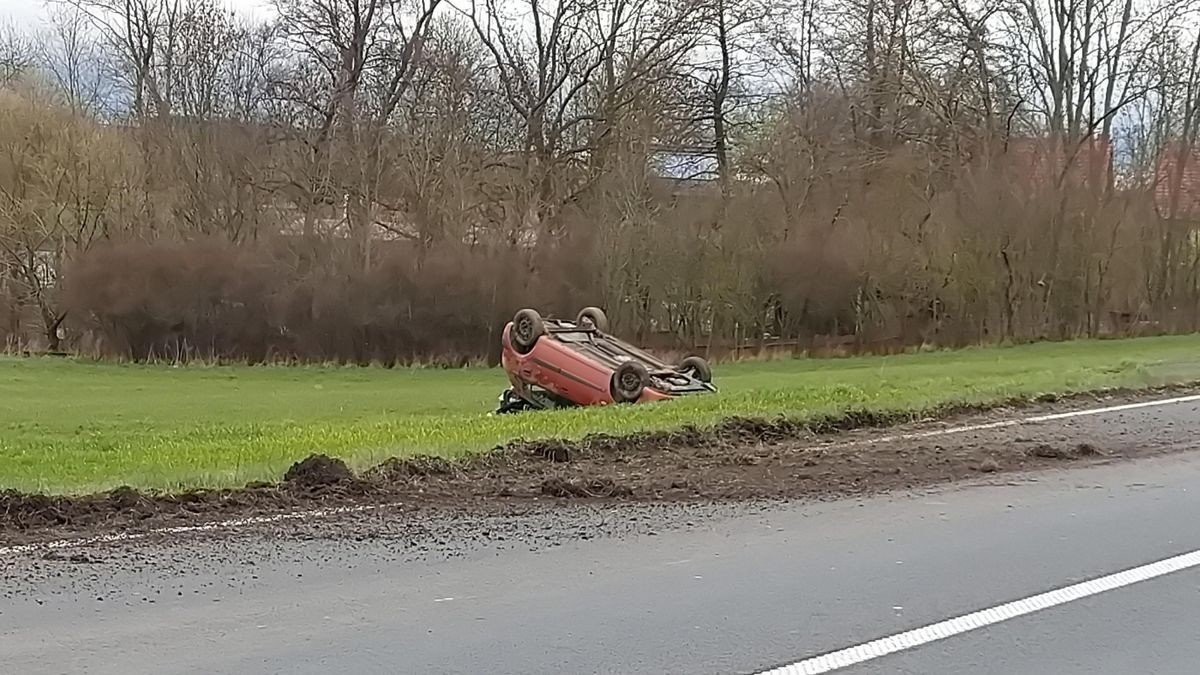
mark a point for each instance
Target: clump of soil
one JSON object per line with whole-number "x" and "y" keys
{"x": 73, "y": 558}
{"x": 989, "y": 466}
{"x": 743, "y": 429}
{"x": 874, "y": 419}
{"x": 553, "y": 450}
{"x": 21, "y": 510}
{"x": 395, "y": 469}
{"x": 593, "y": 487}
{"x": 125, "y": 497}
{"x": 1047, "y": 451}
{"x": 317, "y": 471}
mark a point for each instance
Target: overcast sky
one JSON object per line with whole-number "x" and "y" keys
{"x": 31, "y": 12}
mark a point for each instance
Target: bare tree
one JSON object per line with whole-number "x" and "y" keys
{"x": 544, "y": 58}
{"x": 731, "y": 66}
{"x": 1081, "y": 60}
{"x": 61, "y": 191}
{"x": 363, "y": 55}
{"x": 17, "y": 53}
{"x": 140, "y": 35}
{"x": 75, "y": 61}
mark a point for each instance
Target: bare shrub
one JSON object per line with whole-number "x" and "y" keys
{"x": 174, "y": 299}
{"x": 444, "y": 305}
{"x": 213, "y": 299}
{"x": 811, "y": 287}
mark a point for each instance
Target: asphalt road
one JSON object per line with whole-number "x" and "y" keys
{"x": 665, "y": 589}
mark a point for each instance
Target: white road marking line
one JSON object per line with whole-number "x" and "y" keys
{"x": 1003, "y": 424}
{"x": 321, "y": 513}
{"x": 875, "y": 649}
{"x": 455, "y": 599}
{"x": 184, "y": 529}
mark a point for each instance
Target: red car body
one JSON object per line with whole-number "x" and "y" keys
{"x": 578, "y": 363}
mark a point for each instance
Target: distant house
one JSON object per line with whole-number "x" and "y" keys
{"x": 1045, "y": 160}
{"x": 1172, "y": 160}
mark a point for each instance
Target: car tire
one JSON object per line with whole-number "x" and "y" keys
{"x": 698, "y": 367}
{"x": 629, "y": 380}
{"x": 527, "y": 328}
{"x": 595, "y": 315}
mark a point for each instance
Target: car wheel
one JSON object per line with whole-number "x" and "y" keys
{"x": 527, "y": 327}
{"x": 595, "y": 316}
{"x": 629, "y": 381}
{"x": 697, "y": 368}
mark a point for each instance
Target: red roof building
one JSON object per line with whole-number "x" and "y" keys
{"x": 1174, "y": 158}
{"x": 1044, "y": 159}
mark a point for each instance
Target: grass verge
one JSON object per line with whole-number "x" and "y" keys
{"x": 77, "y": 427}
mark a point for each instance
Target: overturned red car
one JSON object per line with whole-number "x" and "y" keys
{"x": 553, "y": 363}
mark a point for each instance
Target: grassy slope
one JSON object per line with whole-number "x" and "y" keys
{"x": 74, "y": 426}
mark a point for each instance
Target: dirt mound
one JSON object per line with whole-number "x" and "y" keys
{"x": 732, "y": 432}
{"x": 591, "y": 487}
{"x": 318, "y": 471}
{"x": 1047, "y": 451}
{"x": 746, "y": 429}
{"x": 124, "y": 506}
{"x": 125, "y": 497}
{"x": 552, "y": 450}
{"x": 24, "y": 511}
{"x": 395, "y": 469}
{"x": 73, "y": 558}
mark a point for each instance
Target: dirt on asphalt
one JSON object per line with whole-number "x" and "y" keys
{"x": 739, "y": 459}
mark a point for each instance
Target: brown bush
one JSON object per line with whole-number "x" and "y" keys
{"x": 204, "y": 297}
{"x": 445, "y": 304}
{"x": 812, "y": 286}
{"x": 213, "y": 299}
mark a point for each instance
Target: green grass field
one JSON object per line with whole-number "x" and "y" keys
{"x": 68, "y": 426}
